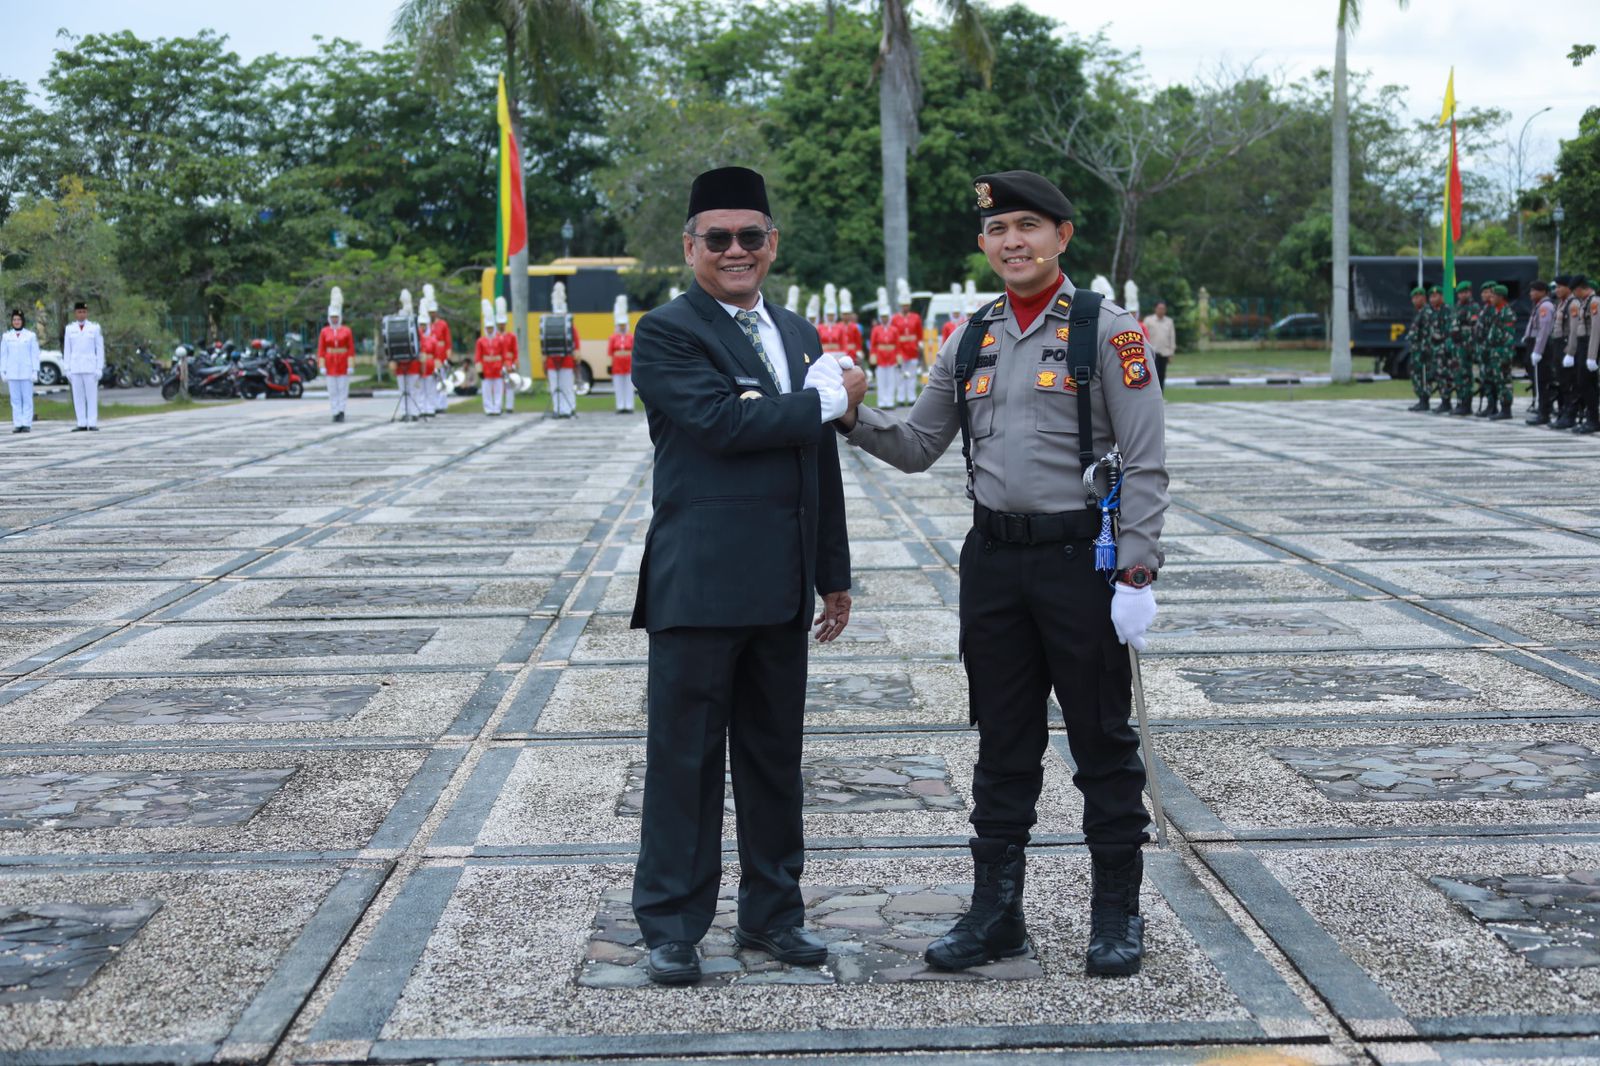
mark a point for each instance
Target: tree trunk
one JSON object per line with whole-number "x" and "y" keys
{"x": 897, "y": 124}
{"x": 1126, "y": 257}
{"x": 1339, "y": 366}
{"x": 517, "y": 268}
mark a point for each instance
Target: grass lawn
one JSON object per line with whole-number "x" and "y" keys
{"x": 50, "y": 410}
{"x": 1257, "y": 362}
{"x": 1372, "y": 390}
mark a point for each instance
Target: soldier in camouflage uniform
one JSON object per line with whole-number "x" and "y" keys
{"x": 1478, "y": 342}
{"x": 1417, "y": 348}
{"x": 1461, "y": 319}
{"x": 1438, "y": 347}
{"x": 1500, "y": 337}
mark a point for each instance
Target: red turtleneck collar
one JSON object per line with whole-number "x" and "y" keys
{"x": 1028, "y": 308}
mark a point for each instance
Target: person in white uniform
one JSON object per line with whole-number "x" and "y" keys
{"x": 510, "y": 360}
{"x": 19, "y": 365}
{"x": 83, "y": 355}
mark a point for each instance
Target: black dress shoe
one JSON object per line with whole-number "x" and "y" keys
{"x": 80, "y": 429}
{"x": 792, "y": 945}
{"x": 19, "y": 429}
{"x": 673, "y": 963}
{"x": 94, "y": 429}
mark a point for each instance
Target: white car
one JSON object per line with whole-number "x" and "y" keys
{"x": 51, "y": 371}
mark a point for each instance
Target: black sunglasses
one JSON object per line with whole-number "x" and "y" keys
{"x": 751, "y": 239}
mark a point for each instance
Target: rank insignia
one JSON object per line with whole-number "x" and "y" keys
{"x": 980, "y": 385}
{"x": 988, "y": 339}
{"x": 1126, "y": 337}
{"x": 1063, "y": 332}
{"x": 1132, "y": 351}
{"x": 985, "y": 195}
{"x": 1046, "y": 379}
{"x": 1063, "y": 303}
{"x": 1135, "y": 374}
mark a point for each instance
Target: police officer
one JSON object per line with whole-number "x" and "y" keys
{"x": 1583, "y": 349}
{"x": 1537, "y": 337}
{"x": 1035, "y": 613}
{"x": 1556, "y": 350}
{"x": 83, "y": 356}
{"x": 1417, "y": 346}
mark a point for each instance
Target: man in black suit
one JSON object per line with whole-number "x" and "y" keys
{"x": 748, "y": 528}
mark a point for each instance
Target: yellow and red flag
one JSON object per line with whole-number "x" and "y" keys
{"x": 511, "y": 225}
{"x": 1451, "y": 228}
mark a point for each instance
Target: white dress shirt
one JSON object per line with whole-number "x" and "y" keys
{"x": 19, "y": 355}
{"x": 83, "y": 349}
{"x": 771, "y": 340}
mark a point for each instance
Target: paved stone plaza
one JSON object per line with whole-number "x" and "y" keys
{"x": 324, "y": 743}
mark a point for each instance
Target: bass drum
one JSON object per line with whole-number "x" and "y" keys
{"x": 400, "y": 342}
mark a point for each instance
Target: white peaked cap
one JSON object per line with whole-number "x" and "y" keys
{"x": 813, "y": 307}
{"x": 902, "y": 291}
{"x": 883, "y": 301}
{"x": 792, "y": 301}
{"x": 486, "y": 309}
{"x": 971, "y": 302}
{"x": 500, "y": 310}
{"x": 619, "y": 310}
{"x": 846, "y": 306}
{"x": 405, "y": 301}
{"x": 558, "y": 298}
{"x": 673, "y": 292}
{"x": 336, "y": 302}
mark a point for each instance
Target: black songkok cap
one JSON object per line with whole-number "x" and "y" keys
{"x": 728, "y": 189}
{"x": 80, "y": 306}
{"x": 1539, "y": 285}
{"x": 1021, "y": 190}
{"x": 1564, "y": 279}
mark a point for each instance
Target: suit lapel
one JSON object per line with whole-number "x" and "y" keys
{"x": 731, "y": 337}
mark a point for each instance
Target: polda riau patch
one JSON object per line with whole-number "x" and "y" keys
{"x": 1135, "y": 374}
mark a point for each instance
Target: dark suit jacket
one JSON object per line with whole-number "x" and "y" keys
{"x": 749, "y": 504}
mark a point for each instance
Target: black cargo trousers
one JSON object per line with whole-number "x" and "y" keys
{"x": 1036, "y": 617}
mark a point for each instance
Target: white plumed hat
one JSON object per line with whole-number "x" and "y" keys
{"x": 336, "y": 303}
{"x": 405, "y": 302}
{"x": 792, "y": 301}
{"x": 500, "y": 310}
{"x": 813, "y": 307}
{"x": 846, "y": 307}
{"x": 970, "y": 304}
{"x": 902, "y": 291}
{"x": 619, "y": 310}
{"x": 486, "y": 309}
{"x": 883, "y": 302}
{"x": 558, "y": 298}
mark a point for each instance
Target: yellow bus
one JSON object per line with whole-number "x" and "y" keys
{"x": 593, "y": 285}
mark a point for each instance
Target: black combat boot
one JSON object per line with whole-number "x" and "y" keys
{"x": 1504, "y": 412}
{"x": 1489, "y": 408}
{"x": 993, "y": 927}
{"x": 1116, "y": 935}
{"x": 1538, "y": 418}
{"x": 1422, "y": 404}
{"x": 1463, "y": 407}
{"x": 1444, "y": 407}
{"x": 1564, "y": 420}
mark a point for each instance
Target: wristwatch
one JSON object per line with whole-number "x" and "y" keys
{"x": 1138, "y": 577}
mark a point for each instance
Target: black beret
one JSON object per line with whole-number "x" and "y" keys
{"x": 1564, "y": 279}
{"x": 728, "y": 189}
{"x": 1579, "y": 281}
{"x": 80, "y": 306}
{"x": 1539, "y": 285}
{"x": 1021, "y": 190}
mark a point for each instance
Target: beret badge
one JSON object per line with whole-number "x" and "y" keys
{"x": 985, "y": 195}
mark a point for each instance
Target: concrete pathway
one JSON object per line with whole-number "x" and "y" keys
{"x": 323, "y": 743}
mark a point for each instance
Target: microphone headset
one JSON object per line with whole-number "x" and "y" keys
{"x": 1046, "y": 259}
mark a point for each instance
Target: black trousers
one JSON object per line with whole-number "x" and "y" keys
{"x": 1036, "y": 617}
{"x": 708, "y": 688}
{"x": 1567, "y": 385}
{"x": 1161, "y": 370}
{"x": 1544, "y": 382}
{"x": 1588, "y": 405}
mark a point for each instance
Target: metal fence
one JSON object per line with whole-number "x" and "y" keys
{"x": 1250, "y": 318}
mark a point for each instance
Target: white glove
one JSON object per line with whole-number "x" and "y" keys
{"x": 1569, "y": 362}
{"x": 1132, "y": 612}
{"x": 1535, "y": 357}
{"x": 827, "y": 377}
{"x": 1593, "y": 365}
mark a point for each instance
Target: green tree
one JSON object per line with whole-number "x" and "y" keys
{"x": 1577, "y": 189}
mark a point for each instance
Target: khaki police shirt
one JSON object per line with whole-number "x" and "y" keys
{"x": 1590, "y": 342}
{"x": 1024, "y": 411}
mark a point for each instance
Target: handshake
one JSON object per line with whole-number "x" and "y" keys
{"x": 839, "y": 382}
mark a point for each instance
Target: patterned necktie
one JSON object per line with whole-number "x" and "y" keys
{"x": 747, "y": 321}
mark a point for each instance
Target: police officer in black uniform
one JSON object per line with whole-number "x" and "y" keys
{"x": 1035, "y": 612}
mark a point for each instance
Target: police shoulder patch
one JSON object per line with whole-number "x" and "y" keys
{"x": 1132, "y": 351}
{"x": 1135, "y": 374}
{"x": 1126, "y": 337}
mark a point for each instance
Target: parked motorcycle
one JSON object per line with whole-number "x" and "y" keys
{"x": 272, "y": 375}
{"x": 206, "y": 379}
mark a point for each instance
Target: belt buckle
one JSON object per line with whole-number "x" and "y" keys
{"x": 1016, "y": 528}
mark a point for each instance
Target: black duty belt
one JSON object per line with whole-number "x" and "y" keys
{"x": 1036, "y": 528}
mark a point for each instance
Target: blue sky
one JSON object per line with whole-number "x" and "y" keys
{"x": 1498, "y": 60}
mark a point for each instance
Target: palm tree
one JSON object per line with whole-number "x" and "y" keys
{"x": 899, "y": 100}
{"x": 535, "y": 36}
{"x": 1349, "y": 21}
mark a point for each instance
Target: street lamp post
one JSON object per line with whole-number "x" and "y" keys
{"x": 566, "y": 239}
{"x": 1516, "y": 204}
{"x": 1558, "y": 216}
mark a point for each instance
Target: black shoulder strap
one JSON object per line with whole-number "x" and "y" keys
{"x": 1083, "y": 344}
{"x": 966, "y": 363}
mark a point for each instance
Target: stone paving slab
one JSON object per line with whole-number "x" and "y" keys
{"x": 1556, "y": 620}
{"x": 1502, "y": 544}
{"x": 1221, "y": 627}
{"x": 1380, "y": 936}
{"x": 70, "y": 601}
{"x": 151, "y": 537}
{"x": 145, "y": 512}
{"x": 1491, "y": 776}
{"x": 1365, "y": 686}
{"x": 1567, "y": 573}
{"x": 206, "y": 648}
{"x": 388, "y": 596}
{"x": 237, "y": 707}
{"x": 240, "y": 801}
{"x": 121, "y": 564}
{"x": 417, "y": 562}
{"x": 909, "y": 634}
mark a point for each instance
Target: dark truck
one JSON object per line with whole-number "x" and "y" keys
{"x": 1380, "y": 299}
